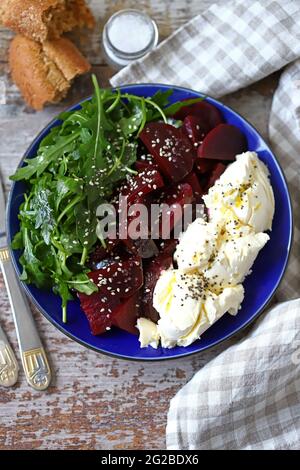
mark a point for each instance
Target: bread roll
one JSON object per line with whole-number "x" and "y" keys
{"x": 45, "y": 19}
{"x": 44, "y": 72}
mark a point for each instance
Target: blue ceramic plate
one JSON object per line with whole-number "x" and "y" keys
{"x": 259, "y": 286}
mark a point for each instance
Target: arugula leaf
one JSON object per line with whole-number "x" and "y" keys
{"x": 17, "y": 243}
{"x": 162, "y": 98}
{"x": 86, "y": 223}
{"x": 32, "y": 269}
{"x": 65, "y": 186}
{"x": 62, "y": 289}
{"x": 131, "y": 124}
{"x": 82, "y": 283}
{"x": 42, "y": 206}
{"x": 46, "y": 155}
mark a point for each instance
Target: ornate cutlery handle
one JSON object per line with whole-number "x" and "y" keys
{"x": 34, "y": 360}
{"x": 8, "y": 365}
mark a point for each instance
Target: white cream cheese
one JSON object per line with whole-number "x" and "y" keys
{"x": 149, "y": 335}
{"x": 234, "y": 260}
{"x": 178, "y": 299}
{"x": 187, "y": 308}
{"x": 196, "y": 245}
{"x": 244, "y": 194}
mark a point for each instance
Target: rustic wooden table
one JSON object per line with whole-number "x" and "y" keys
{"x": 96, "y": 402}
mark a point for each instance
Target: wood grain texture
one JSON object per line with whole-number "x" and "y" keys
{"x": 96, "y": 402}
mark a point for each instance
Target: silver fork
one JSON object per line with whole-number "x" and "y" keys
{"x": 34, "y": 359}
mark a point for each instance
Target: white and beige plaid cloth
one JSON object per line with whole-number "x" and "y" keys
{"x": 248, "y": 397}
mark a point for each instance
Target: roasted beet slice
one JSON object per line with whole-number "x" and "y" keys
{"x": 98, "y": 309}
{"x": 152, "y": 270}
{"x": 181, "y": 193}
{"x": 193, "y": 181}
{"x": 224, "y": 142}
{"x": 122, "y": 278}
{"x": 138, "y": 191}
{"x": 143, "y": 248}
{"x": 171, "y": 200}
{"x": 117, "y": 280}
{"x": 140, "y": 245}
{"x": 195, "y": 129}
{"x": 173, "y": 153}
{"x": 205, "y": 165}
{"x": 100, "y": 253}
{"x": 175, "y": 198}
{"x": 142, "y": 165}
{"x": 142, "y": 152}
{"x": 215, "y": 175}
{"x": 126, "y": 314}
{"x": 144, "y": 183}
{"x": 166, "y": 247}
{"x": 147, "y": 249}
{"x": 209, "y": 114}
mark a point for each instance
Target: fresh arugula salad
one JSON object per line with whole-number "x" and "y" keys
{"x": 77, "y": 167}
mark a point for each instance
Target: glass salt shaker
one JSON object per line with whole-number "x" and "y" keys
{"x": 127, "y": 36}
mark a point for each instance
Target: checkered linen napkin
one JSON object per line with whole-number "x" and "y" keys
{"x": 247, "y": 397}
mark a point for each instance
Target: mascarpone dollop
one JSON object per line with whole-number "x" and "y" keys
{"x": 196, "y": 245}
{"x": 243, "y": 194}
{"x": 149, "y": 335}
{"x": 233, "y": 260}
{"x": 187, "y": 308}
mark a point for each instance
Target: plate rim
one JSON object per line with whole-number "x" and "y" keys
{"x": 183, "y": 354}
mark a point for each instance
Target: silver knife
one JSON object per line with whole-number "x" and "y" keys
{"x": 34, "y": 359}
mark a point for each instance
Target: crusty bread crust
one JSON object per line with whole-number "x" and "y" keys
{"x": 45, "y": 19}
{"x": 65, "y": 55}
{"x": 82, "y": 14}
{"x": 30, "y": 73}
{"x": 43, "y": 72}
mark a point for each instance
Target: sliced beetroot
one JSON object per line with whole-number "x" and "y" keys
{"x": 100, "y": 253}
{"x": 167, "y": 247}
{"x": 174, "y": 198}
{"x": 142, "y": 165}
{"x": 205, "y": 165}
{"x": 138, "y": 191}
{"x": 173, "y": 153}
{"x": 195, "y": 129}
{"x": 224, "y": 142}
{"x": 142, "y": 184}
{"x": 117, "y": 280}
{"x": 126, "y": 314}
{"x": 139, "y": 246}
{"x": 124, "y": 277}
{"x": 152, "y": 271}
{"x": 181, "y": 193}
{"x": 98, "y": 309}
{"x": 146, "y": 248}
{"x": 210, "y": 115}
{"x": 215, "y": 175}
{"x": 193, "y": 180}
{"x": 142, "y": 152}
{"x": 143, "y": 248}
